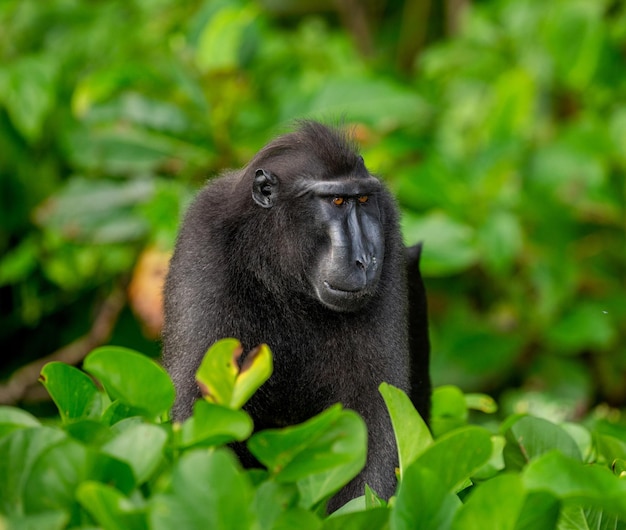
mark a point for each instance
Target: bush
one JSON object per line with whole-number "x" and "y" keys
{"x": 113, "y": 460}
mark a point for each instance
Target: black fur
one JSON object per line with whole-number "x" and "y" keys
{"x": 243, "y": 270}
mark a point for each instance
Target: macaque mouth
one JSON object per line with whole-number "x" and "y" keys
{"x": 345, "y": 292}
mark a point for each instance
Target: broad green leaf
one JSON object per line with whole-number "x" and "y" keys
{"x": 449, "y": 409}
{"x": 495, "y": 504}
{"x": 372, "y": 519}
{"x": 19, "y": 452}
{"x": 109, "y": 508}
{"x": 473, "y": 443}
{"x": 495, "y": 464}
{"x": 531, "y": 437}
{"x": 209, "y": 490}
{"x": 222, "y": 38}
{"x": 619, "y": 467}
{"x": 540, "y": 511}
{"x": 73, "y": 392}
{"x": 481, "y": 402}
{"x": 572, "y": 481}
{"x": 377, "y": 102}
{"x": 584, "y": 325}
{"x": 316, "y": 487}
{"x": 331, "y": 439}
{"x": 213, "y": 424}
{"x": 272, "y": 499}
{"x": 610, "y": 447}
{"x": 501, "y": 239}
{"x": 424, "y": 501}
{"x": 451, "y": 245}
{"x": 55, "y": 520}
{"x": 218, "y": 371}
{"x": 141, "y": 447}
{"x": 297, "y": 518}
{"x": 256, "y": 369}
{"x": 97, "y": 211}
{"x": 372, "y": 500}
{"x": 119, "y": 411}
{"x": 90, "y": 432}
{"x": 513, "y": 99}
{"x": 19, "y": 262}
{"x": 221, "y": 379}
{"x": 358, "y": 504}
{"x": 575, "y": 39}
{"x": 583, "y": 439}
{"x": 30, "y": 93}
{"x": 132, "y": 378}
{"x": 12, "y": 418}
{"x": 588, "y": 518}
{"x": 58, "y": 472}
{"x": 412, "y": 434}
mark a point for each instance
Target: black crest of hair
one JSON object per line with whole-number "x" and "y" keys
{"x": 301, "y": 249}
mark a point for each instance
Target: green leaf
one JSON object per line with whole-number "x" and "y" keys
{"x": 412, "y": 434}
{"x": 12, "y": 418}
{"x": 29, "y": 93}
{"x": 97, "y": 211}
{"x": 18, "y": 263}
{"x": 218, "y": 371}
{"x": 19, "y": 451}
{"x": 540, "y": 512}
{"x": 372, "y": 519}
{"x": 588, "y": 518}
{"x": 221, "y": 39}
{"x": 56, "y": 520}
{"x": 221, "y": 379}
{"x": 213, "y": 424}
{"x": 501, "y": 239}
{"x": 481, "y": 402}
{"x": 372, "y": 500}
{"x": 256, "y": 369}
{"x": 619, "y": 467}
{"x": 610, "y": 447}
{"x": 378, "y": 102}
{"x": 89, "y": 432}
{"x": 58, "y": 472}
{"x": 496, "y": 503}
{"x": 578, "y": 484}
{"x": 272, "y": 499}
{"x": 583, "y": 326}
{"x": 109, "y": 508}
{"x": 424, "y": 501}
{"x": 132, "y": 378}
{"x": 330, "y": 439}
{"x": 73, "y": 392}
{"x": 496, "y": 461}
{"x": 451, "y": 245}
{"x": 474, "y": 443}
{"x": 297, "y": 518}
{"x": 141, "y": 447}
{"x": 449, "y": 409}
{"x": 316, "y": 487}
{"x": 209, "y": 490}
{"x": 531, "y": 437}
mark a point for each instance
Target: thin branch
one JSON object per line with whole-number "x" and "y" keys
{"x": 24, "y": 381}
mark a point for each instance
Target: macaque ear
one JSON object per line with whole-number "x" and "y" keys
{"x": 264, "y": 188}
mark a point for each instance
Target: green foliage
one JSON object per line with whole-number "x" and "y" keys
{"x": 133, "y": 470}
{"x": 504, "y": 144}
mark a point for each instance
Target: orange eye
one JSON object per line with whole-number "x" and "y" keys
{"x": 338, "y": 201}
{"x": 363, "y": 199}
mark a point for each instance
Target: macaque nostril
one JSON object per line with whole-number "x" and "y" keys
{"x": 366, "y": 262}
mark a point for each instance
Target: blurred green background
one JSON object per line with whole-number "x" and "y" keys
{"x": 499, "y": 124}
